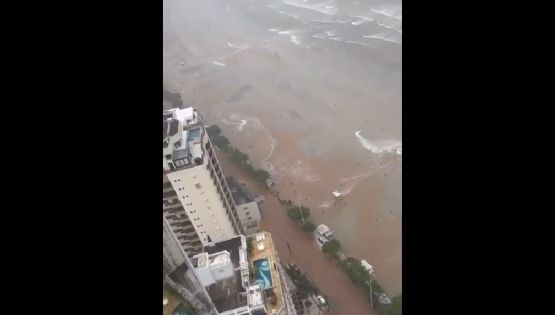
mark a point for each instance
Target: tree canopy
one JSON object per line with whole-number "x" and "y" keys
{"x": 308, "y": 226}
{"x": 213, "y": 131}
{"x": 294, "y": 213}
{"x": 331, "y": 247}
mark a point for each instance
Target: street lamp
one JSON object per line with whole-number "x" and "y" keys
{"x": 300, "y": 210}
{"x": 371, "y": 295}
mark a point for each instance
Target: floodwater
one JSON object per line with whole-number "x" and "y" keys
{"x": 311, "y": 90}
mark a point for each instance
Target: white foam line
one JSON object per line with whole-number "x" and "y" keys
{"x": 357, "y": 43}
{"x": 266, "y": 160}
{"x": 388, "y": 27}
{"x": 240, "y": 127}
{"x": 217, "y": 63}
{"x": 325, "y": 9}
{"x": 295, "y": 40}
{"x": 319, "y": 36}
{"x": 359, "y": 22}
{"x": 362, "y": 17}
{"x": 347, "y": 184}
{"x": 240, "y": 49}
{"x": 288, "y": 14}
{"x": 382, "y": 38}
{"x": 387, "y": 13}
{"x": 237, "y": 47}
{"x": 322, "y": 21}
{"x": 384, "y": 146}
{"x": 241, "y": 120}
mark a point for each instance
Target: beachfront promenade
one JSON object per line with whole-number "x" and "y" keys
{"x": 344, "y": 297}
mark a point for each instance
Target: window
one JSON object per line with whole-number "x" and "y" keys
{"x": 249, "y": 218}
{"x": 247, "y": 213}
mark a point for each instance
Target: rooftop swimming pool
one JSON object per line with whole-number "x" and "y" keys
{"x": 181, "y": 310}
{"x": 193, "y": 134}
{"x": 262, "y": 272}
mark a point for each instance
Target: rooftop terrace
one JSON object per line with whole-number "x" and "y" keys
{"x": 182, "y": 138}
{"x": 263, "y": 248}
{"x": 228, "y": 294}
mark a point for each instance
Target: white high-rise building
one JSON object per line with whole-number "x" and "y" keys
{"x": 198, "y": 207}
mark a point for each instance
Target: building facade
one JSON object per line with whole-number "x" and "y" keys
{"x": 248, "y": 209}
{"x": 198, "y": 209}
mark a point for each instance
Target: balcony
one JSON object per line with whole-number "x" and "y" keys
{"x": 169, "y": 194}
{"x": 181, "y": 224}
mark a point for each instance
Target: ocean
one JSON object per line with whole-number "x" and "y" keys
{"x": 311, "y": 90}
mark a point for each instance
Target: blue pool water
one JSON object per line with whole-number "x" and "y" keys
{"x": 193, "y": 134}
{"x": 262, "y": 272}
{"x": 181, "y": 310}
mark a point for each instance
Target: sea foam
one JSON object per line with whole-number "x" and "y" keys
{"x": 379, "y": 146}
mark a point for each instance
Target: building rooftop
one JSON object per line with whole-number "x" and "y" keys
{"x": 263, "y": 248}
{"x": 238, "y": 192}
{"x": 228, "y": 294}
{"x": 182, "y": 138}
{"x": 231, "y": 245}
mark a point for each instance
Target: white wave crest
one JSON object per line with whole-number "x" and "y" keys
{"x": 357, "y": 43}
{"x": 289, "y": 14}
{"x": 390, "y": 12}
{"x": 361, "y": 19}
{"x": 217, "y": 63}
{"x": 324, "y": 8}
{"x": 383, "y": 38}
{"x": 253, "y": 122}
{"x": 379, "y": 146}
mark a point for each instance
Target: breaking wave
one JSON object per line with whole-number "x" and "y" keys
{"x": 379, "y": 146}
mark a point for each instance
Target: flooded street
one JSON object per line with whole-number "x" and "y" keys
{"x": 311, "y": 90}
{"x": 344, "y": 296}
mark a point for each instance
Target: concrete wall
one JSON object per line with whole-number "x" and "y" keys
{"x": 253, "y": 217}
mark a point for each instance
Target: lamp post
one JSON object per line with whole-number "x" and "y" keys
{"x": 371, "y": 295}
{"x": 300, "y": 210}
